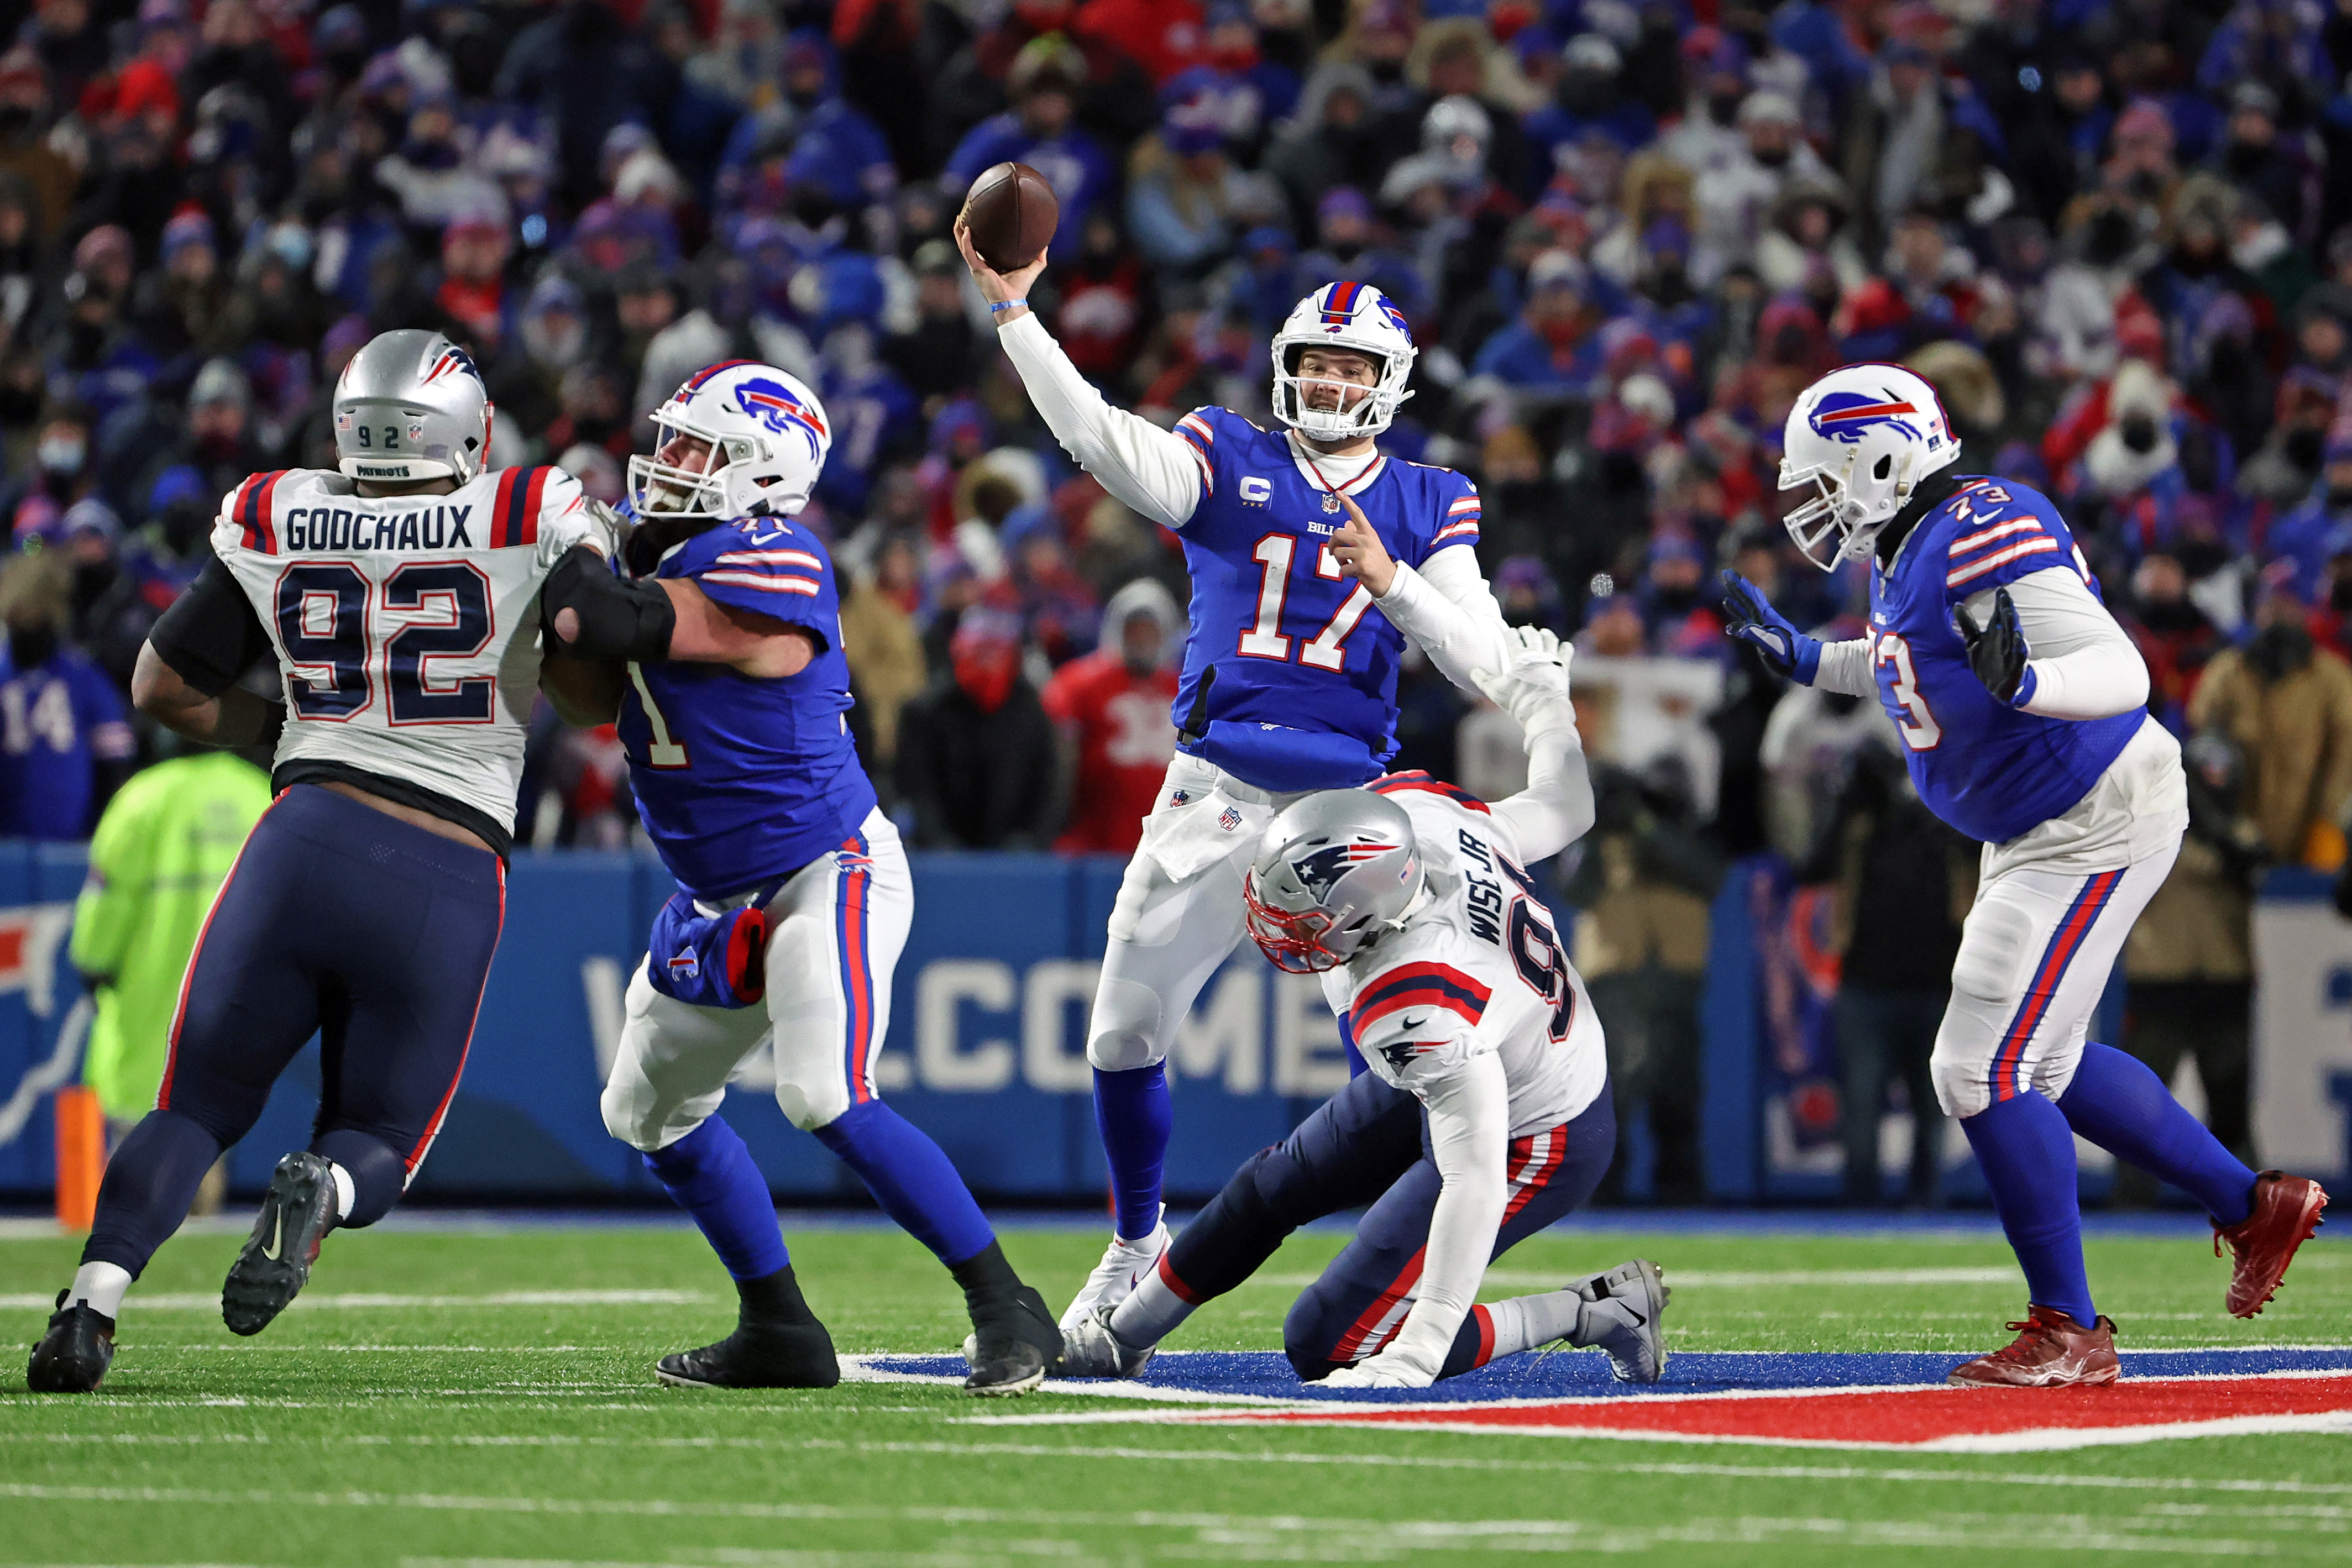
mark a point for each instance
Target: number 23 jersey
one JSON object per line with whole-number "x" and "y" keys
{"x": 1989, "y": 769}
{"x": 406, "y": 626}
{"x": 1479, "y": 967}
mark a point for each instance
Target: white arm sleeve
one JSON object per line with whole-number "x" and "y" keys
{"x": 1845, "y": 669}
{"x": 2084, "y": 665}
{"x": 1447, "y": 606}
{"x": 1556, "y": 807}
{"x": 1151, "y": 470}
{"x": 1469, "y": 1132}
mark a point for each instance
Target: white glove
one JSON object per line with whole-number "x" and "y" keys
{"x": 1534, "y": 688}
{"x": 607, "y": 529}
{"x": 1381, "y": 1370}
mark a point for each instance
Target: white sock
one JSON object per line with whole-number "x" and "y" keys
{"x": 346, "y": 1193}
{"x": 1149, "y": 1313}
{"x": 1157, "y": 1220}
{"x": 99, "y": 1286}
{"x": 1524, "y": 1323}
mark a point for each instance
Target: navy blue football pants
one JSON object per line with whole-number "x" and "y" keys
{"x": 1369, "y": 1145}
{"x": 339, "y": 920}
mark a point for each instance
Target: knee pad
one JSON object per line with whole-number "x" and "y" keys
{"x": 810, "y": 1100}
{"x": 1985, "y": 986}
{"x": 625, "y": 1104}
{"x": 1124, "y": 1033}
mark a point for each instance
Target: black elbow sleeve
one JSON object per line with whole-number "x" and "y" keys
{"x": 610, "y": 618}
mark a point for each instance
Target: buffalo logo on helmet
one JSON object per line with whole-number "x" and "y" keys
{"x": 1847, "y": 415}
{"x": 1318, "y": 870}
{"x": 773, "y": 404}
{"x": 452, "y": 361}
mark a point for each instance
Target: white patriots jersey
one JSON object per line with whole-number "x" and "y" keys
{"x": 406, "y": 626}
{"x": 1479, "y": 967}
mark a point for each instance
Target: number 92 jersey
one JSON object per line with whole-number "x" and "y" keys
{"x": 1293, "y": 640}
{"x": 1989, "y": 769}
{"x": 1479, "y": 967}
{"x": 406, "y": 626}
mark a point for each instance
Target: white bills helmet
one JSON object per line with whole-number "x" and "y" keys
{"x": 411, "y": 405}
{"x": 769, "y": 437}
{"x": 1353, "y": 316}
{"x": 1334, "y": 871}
{"x": 1863, "y": 437}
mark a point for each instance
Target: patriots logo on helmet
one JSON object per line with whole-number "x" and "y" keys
{"x": 684, "y": 966}
{"x": 452, "y": 360}
{"x": 773, "y": 406}
{"x": 1318, "y": 871}
{"x": 1846, "y": 416}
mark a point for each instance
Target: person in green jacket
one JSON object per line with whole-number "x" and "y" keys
{"x": 163, "y": 847}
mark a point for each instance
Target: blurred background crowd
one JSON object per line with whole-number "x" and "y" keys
{"x": 2116, "y": 233}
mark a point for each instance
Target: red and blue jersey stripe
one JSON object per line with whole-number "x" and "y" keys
{"x": 851, "y": 917}
{"x": 1419, "y": 986}
{"x": 514, "y": 510}
{"x": 1340, "y": 305}
{"x": 1396, "y": 783}
{"x": 251, "y": 510}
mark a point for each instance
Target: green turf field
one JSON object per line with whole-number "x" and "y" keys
{"x": 428, "y": 1425}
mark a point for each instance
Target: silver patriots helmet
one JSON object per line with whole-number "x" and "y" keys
{"x": 1334, "y": 871}
{"x": 412, "y": 405}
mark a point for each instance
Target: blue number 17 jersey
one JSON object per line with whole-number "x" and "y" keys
{"x": 1295, "y": 643}
{"x": 1990, "y": 770}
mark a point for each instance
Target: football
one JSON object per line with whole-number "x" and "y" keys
{"x": 1011, "y": 211}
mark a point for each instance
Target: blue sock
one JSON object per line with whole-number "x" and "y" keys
{"x": 1132, "y": 1113}
{"x": 2027, "y": 1152}
{"x": 711, "y": 1176}
{"x": 2117, "y": 1104}
{"x": 910, "y": 1179}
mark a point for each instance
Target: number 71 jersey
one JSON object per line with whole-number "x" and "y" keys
{"x": 406, "y": 626}
{"x": 1989, "y": 769}
{"x": 1479, "y": 967}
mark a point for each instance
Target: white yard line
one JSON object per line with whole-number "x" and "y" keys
{"x": 1725, "y": 1279}
{"x": 209, "y": 1300}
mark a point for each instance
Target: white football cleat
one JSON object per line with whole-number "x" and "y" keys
{"x": 1123, "y": 1265}
{"x": 1624, "y": 1314}
{"x": 1091, "y": 1350}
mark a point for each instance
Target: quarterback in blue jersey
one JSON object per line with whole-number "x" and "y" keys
{"x": 1313, "y": 555}
{"x": 2022, "y": 710}
{"x": 719, "y": 646}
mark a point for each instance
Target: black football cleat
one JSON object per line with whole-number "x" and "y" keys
{"x": 757, "y": 1356}
{"x": 1015, "y": 1344}
{"x": 74, "y": 1353}
{"x": 296, "y": 1215}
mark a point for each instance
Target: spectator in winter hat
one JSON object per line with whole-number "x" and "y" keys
{"x": 24, "y": 124}
{"x": 1715, "y": 84}
{"x": 473, "y": 292}
{"x": 1589, "y": 99}
{"x": 1330, "y": 144}
{"x": 1346, "y": 251}
{"x": 1553, "y": 348}
{"x": 978, "y": 759}
{"x": 1044, "y": 82}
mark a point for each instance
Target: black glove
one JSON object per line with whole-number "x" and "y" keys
{"x": 1997, "y": 653}
{"x": 1196, "y": 723}
{"x": 614, "y": 619}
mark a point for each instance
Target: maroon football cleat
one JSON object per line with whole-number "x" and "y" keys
{"x": 2051, "y": 1351}
{"x": 2285, "y": 1212}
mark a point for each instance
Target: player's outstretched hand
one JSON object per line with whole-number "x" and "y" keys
{"x": 1359, "y": 552}
{"x": 996, "y": 286}
{"x": 1749, "y": 618}
{"x": 1997, "y": 653}
{"x": 1533, "y": 688}
{"x": 1381, "y": 1370}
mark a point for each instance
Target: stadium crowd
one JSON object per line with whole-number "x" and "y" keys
{"x": 2117, "y": 235}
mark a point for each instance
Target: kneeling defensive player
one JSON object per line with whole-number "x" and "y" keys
{"x": 1485, "y": 1115}
{"x": 2023, "y": 708}
{"x": 400, "y": 597}
{"x": 793, "y": 894}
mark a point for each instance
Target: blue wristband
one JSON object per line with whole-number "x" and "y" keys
{"x": 1002, "y": 305}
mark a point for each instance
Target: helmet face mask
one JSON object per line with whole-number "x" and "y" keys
{"x": 411, "y": 406}
{"x": 1352, "y": 318}
{"x": 1861, "y": 439}
{"x": 1336, "y": 871}
{"x": 765, "y": 436}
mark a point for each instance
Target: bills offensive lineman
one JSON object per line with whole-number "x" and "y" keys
{"x": 400, "y": 597}
{"x": 2023, "y": 708}
{"x": 1290, "y": 668}
{"x": 1486, "y": 1115}
{"x": 722, "y": 656}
